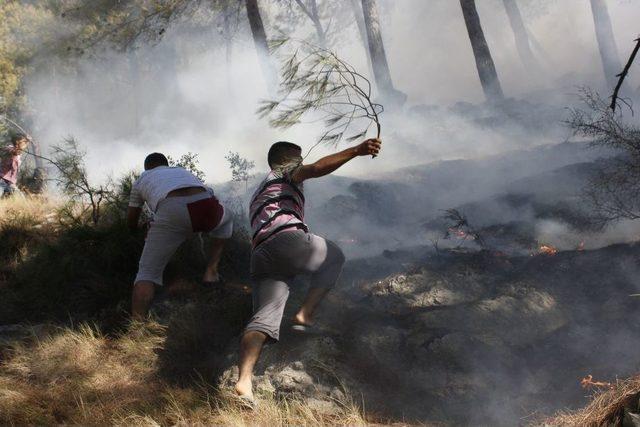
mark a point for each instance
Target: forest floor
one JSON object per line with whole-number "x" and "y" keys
{"x": 413, "y": 336}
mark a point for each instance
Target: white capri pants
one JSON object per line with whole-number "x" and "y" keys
{"x": 177, "y": 219}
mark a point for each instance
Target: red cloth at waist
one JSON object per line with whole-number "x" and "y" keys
{"x": 205, "y": 214}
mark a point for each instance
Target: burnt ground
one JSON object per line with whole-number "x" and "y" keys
{"x": 474, "y": 338}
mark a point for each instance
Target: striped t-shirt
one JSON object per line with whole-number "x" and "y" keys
{"x": 277, "y": 205}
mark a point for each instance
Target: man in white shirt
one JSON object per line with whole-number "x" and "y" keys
{"x": 182, "y": 206}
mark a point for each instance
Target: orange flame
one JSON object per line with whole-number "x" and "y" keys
{"x": 588, "y": 382}
{"x": 460, "y": 234}
{"x": 547, "y": 250}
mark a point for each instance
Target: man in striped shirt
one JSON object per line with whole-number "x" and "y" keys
{"x": 283, "y": 248}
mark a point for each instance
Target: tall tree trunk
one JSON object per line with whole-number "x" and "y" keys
{"x": 312, "y": 13}
{"x": 484, "y": 61}
{"x": 379, "y": 62}
{"x": 523, "y": 43}
{"x": 322, "y": 36}
{"x": 359, "y": 17}
{"x": 606, "y": 42}
{"x": 228, "y": 39}
{"x": 228, "y": 44}
{"x": 260, "y": 41}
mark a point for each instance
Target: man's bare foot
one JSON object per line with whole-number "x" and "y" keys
{"x": 301, "y": 318}
{"x": 244, "y": 389}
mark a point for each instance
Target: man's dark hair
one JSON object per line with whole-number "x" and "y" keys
{"x": 17, "y": 136}
{"x": 154, "y": 160}
{"x": 277, "y": 150}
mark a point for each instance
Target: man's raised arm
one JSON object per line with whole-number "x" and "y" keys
{"x": 328, "y": 164}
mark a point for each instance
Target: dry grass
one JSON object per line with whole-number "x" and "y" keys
{"x": 30, "y": 211}
{"x": 79, "y": 376}
{"x": 24, "y": 220}
{"x": 607, "y": 406}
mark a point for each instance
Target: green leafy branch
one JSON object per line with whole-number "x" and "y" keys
{"x": 316, "y": 79}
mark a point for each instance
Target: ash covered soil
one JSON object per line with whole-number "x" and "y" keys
{"x": 472, "y": 338}
{"x": 415, "y": 336}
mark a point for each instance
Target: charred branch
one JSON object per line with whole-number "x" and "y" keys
{"x": 623, "y": 75}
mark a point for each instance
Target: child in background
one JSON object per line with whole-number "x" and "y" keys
{"x": 10, "y": 164}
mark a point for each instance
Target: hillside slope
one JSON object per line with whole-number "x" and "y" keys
{"x": 455, "y": 338}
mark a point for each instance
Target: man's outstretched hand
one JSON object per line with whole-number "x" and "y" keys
{"x": 328, "y": 164}
{"x": 370, "y": 147}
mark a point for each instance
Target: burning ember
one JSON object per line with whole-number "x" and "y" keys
{"x": 460, "y": 234}
{"x": 547, "y": 250}
{"x": 588, "y": 382}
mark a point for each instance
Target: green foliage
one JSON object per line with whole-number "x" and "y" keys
{"x": 240, "y": 167}
{"x": 82, "y": 271}
{"x": 95, "y": 203}
{"x": 73, "y": 180}
{"x": 189, "y": 162}
{"x": 25, "y": 27}
{"x": 125, "y": 24}
{"x": 317, "y": 80}
{"x": 37, "y": 33}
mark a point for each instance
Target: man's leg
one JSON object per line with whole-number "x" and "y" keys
{"x": 5, "y": 188}
{"x": 211, "y": 272}
{"x": 326, "y": 263}
{"x": 304, "y": 316}
{"x": 269, "y": 299}
{"x": 219, "y": 235}
{"x": 250, "y": 348}
{"x": 161, "y": 243}
{"x": 143, "y": 292}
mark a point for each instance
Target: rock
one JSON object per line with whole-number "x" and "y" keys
{"x": 462, "y": 331}
{"x": 304, "y": 368}
{"x": 264, "y": 387}
{"x": 515, "y": 318}
{"x": 291, "y": 379}
{"x": 402, "y": 293}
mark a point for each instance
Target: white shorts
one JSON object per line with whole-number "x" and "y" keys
{"x": 174, "y": 222}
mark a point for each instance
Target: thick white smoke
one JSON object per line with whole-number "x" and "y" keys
{"x": 185, "y": 97}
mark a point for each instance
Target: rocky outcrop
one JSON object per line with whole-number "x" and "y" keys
{"x": 462, "y": 338}
{"x": 306, "y": 367}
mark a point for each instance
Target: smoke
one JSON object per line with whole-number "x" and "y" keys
{"x": 188, "y": 93}
{"x": 182, "y": 95}
{"x": 432, "y": 60}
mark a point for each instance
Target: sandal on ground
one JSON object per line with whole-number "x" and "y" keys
{"x": 305, "y": 329}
